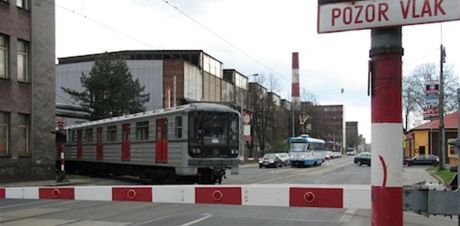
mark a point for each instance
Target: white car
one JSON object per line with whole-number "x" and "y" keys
{"x": 336, "y": 154}
{"x": 351, "y": 153}
{"x": 329, "y": 154}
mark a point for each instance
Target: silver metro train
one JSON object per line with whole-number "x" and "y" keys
{"x": 193, "y": 143}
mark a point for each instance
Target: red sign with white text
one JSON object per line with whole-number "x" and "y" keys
{"x": 355, "y": 15}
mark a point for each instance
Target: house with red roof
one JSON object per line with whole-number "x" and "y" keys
{"x": 424, "y": 139}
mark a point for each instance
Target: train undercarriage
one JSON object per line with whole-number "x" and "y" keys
{"x": 154, "y": 174}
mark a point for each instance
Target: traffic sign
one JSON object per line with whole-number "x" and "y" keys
{"x": 340, "y": 15}
{"x": 246, "y": 118}
{"x": 431, "y": 113}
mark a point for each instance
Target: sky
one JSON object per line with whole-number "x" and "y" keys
{"x": 256, "y": 36}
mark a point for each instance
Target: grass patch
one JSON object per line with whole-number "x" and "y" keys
{"x": 445, "y": 175}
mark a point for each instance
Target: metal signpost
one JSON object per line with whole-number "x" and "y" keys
{"x": 385, "y": 18}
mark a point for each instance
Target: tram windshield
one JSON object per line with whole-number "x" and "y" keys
{"x": 306, "y": 146}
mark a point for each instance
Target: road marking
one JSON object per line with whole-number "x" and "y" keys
{"x": 206, "y": 216}
{"x": 25, "y": 204}
{"x": 346, "y": 217}
{"x": 153, "y": 220}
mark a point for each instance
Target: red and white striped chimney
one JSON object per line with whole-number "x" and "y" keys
{"x": 295, "y": 79}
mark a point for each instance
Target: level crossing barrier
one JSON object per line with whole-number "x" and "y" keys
{"x": 284, "y": 195}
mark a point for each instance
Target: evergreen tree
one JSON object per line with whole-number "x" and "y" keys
{"x": 109, "y": 90}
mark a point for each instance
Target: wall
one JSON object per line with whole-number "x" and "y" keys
{"x": 149, "y": 73}
{"x": 36, "y": 97}
{"x": 421, "y": 139}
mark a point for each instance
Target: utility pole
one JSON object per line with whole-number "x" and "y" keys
{"x": 442, "y": 144}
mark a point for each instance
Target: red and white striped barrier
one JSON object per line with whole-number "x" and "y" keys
{"x": 321, "y": 196}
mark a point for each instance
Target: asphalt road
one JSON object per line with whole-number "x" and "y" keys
{"x": 79, "y": 213}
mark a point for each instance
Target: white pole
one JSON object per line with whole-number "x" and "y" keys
{"x": 241, "y": 126}
{"x": 174, "y": 91}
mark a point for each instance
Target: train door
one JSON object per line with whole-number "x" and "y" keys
{"x": 161, "y": 146}
{"x": 99, "y": 144}
{"x": 125, "y": 144}
{"x": 79, "y": 144}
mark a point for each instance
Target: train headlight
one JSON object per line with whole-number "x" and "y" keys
{"x": 303, "y": 156}
{"x": 198, "y": 151}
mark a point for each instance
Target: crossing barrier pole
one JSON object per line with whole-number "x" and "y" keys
{"x": 386, "y": 115}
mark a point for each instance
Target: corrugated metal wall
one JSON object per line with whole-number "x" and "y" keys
{"x": 149, "y": 73}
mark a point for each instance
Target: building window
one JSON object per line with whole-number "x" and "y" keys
{"x": 4, "y": 136}
{"x": 23, "y": 61}
{"x": 142, "y": 130}
{"x": 24, "y": 4}
{"x": 112, "y": 133}
{"x": 179, "y": 127}
{"x": 3, "y": 56}
{"x": 89, "y": 135}
{"x": 23, "y": 134}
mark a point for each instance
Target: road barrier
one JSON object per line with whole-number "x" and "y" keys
{"x": 284, "y": 195}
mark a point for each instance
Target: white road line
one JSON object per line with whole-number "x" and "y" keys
{"x": 153, "y": 220}
{"x": 25, "y": 204}
{"x": 346, "y": 217}
{"x": 206, "y": 216}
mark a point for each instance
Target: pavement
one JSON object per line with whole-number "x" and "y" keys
{"x": 417, "y": 174}
{"x": 412, "y": 175}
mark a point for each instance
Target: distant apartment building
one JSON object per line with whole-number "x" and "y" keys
{"x": 27, "y": 100}
{"x": 333, "y": 125}
{"x": 352, "y": 134}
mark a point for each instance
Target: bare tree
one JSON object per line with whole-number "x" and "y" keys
{"x": 414, "y": 90}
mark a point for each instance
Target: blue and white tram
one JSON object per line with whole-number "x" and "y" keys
{"x": 306, "y": 151}
{"x": 196, "y": 142}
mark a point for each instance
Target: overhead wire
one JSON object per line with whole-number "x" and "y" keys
{"x": 217, "y": 35}
{"x": 169, "y": 3}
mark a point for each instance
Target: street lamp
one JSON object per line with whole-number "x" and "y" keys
{"x": 242, "y": 152}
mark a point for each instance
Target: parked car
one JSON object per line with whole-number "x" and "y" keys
{"x": 336, "y": 154}
{"x": 270, "y": 160}
{"x": 422, "y": 160}
{"x": 363, "y": 158}
{"x": 351, "y": 153}
{"x": 284, "y": 158}
{"x": 328, "y": 154}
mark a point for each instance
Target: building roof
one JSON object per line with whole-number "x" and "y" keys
{"x": 450, "y": 122}
{"x": 135, "y": 55}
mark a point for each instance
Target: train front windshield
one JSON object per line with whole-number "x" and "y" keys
{"x": 216, "y": 134}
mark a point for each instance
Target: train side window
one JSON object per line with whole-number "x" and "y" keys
{"x": 89, "y": 135}
{"x": 112, "y": 133}
{"x": 142, "y": 130}
{"x": 178, "y": 127}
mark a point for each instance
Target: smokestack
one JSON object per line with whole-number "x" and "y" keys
{"x": 295, "y": 79}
